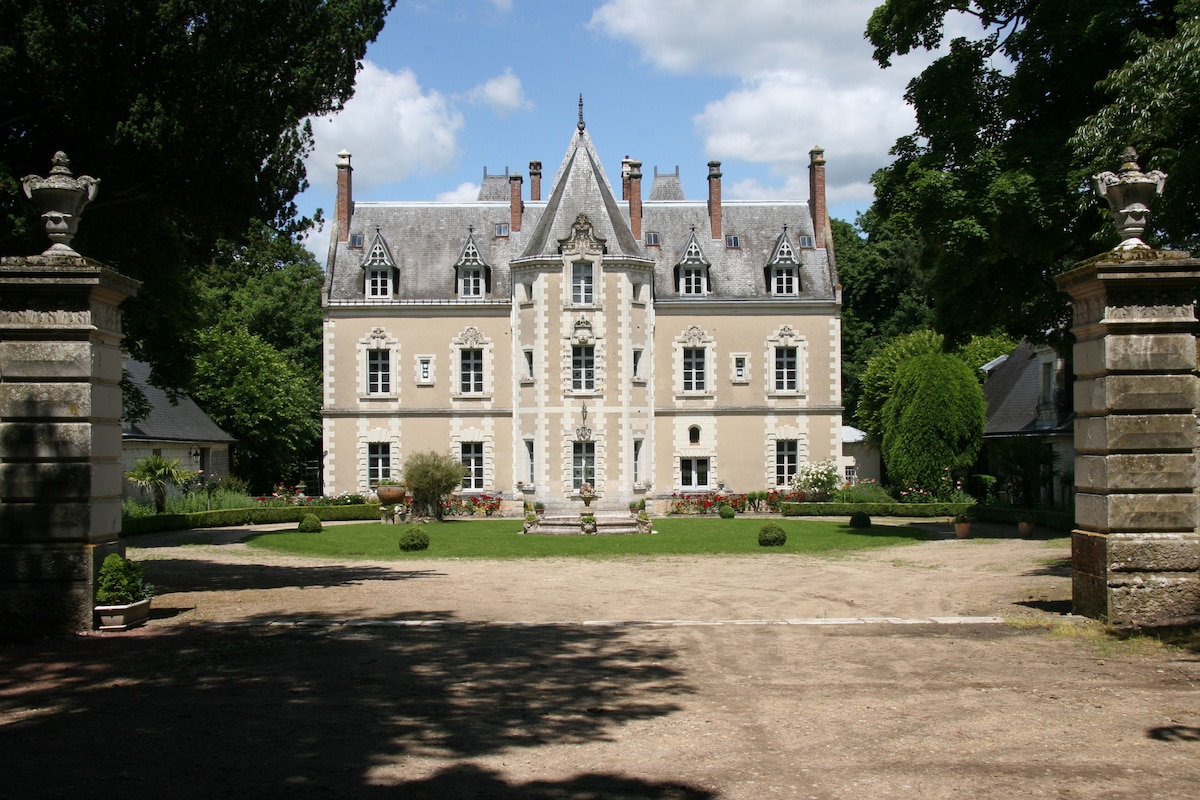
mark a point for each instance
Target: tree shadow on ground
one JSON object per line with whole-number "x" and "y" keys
{"x": 195, "y": 575}
{"x": 469, "y": 780}
{"x": 1059, "y": 607}
{"x": 1055, "y": 568}
{"x": 315, "y": 709}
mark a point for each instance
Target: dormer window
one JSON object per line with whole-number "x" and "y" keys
{"x": 652, "y": 239}
{"x": 356, "y": 241}
{"x": 784, "y": 281}
{"x": 691, "y": 280}
{"x": 379, "y": 270}
{"x": 379, "y": 282}
{"x": 473, "y": 275}
{"x": 502, "y": 228}
{"x": 807, "y": 242}
{"x": 733, "y": 242}
{"x": 783, "y": 269}
{"x": 691, "y": 273}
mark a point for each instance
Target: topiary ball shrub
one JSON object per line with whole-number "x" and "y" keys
{"x": 414, "y": 539}
{"x": 771, "y": 535}
{"x": 726, "y": 512}
{"x": 860, "y": 519}
{"x": 309, "y": 523}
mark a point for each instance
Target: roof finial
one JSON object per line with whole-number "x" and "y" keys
{"x": 580, "y": 124}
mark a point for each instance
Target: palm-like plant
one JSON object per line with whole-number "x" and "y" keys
{"x": 155, "y": 473}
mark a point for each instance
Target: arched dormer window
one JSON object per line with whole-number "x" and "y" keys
{"x": 379, "y": 270}
{"x": 691, "y": 273}
{"x": 472, "y": 273}
{"x": 782, "y": 272}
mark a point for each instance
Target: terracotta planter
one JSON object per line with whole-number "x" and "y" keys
{"x": 390, "y": 495}
{"x": 124, "y": 617}
{"x": 1025, "y": 529}
{"x": 962, "y": 530}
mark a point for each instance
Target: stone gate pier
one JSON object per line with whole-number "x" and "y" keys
{"x": 1135, "y": 556}
{"x": 60, "y": 410}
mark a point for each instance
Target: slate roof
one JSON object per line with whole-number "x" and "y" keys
{"x": 1013, "y": 392}
{"x": 182, "y": 421}
{"x": 666, "y": 186}
{"x": 427, "y": 238}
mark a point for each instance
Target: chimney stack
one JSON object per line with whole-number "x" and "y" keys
{"x": 816, "y": 195}
{"x": 634, "y": 182}
{"x": 535, "y": 181}
{"x": 514, "y": 201}
{"x": 714, "y": 198}
{"x": 626, "y": 167}
{"x": 344, "y": 204}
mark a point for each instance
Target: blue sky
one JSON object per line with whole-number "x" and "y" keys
{"x": 450, "y": 88}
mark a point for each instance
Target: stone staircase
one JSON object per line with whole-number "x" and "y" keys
{"x": 563, "y": 525}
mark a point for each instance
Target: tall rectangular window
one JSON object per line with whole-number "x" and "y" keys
{"x": 583, "y": 367}
{"x": 529, "y": 460}
{"x": 693, "y": 369}
{"x": 379, "y": 371}
{"x": 581, "y": 284}
{"x": 787, "y": 458}
{"x": 529, "y": 364}
{"x": 693, "y": 473}
{"x": 472, "y": 371}
{"x": 637, "y": 460}
{"x": 692, "y": 280}
{"x": 583, "y": 463}
{"x": 472, "y": 458}
{"x": 379, "y": 282}
{"x": 785, "y": 369}
{"x": 470, "y": 282}
{"x": 637, "y": 362}
{"x": 379, "y": 462}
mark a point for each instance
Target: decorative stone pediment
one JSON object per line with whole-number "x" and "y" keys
{"x": 583, "y": 239}
{"x": 471, "y": 337}
{"x": 583, "y": 333}
{"x": 695, "y": 337}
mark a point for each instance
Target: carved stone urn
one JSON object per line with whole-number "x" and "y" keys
{"x": 62, "y": 198}
{"x": 1129, "y": 194}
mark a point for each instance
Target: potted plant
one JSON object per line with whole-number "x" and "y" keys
{"x": 390, "y": 491}
{"x": 122, "y": 594}
{"x": 1025, "y": 524}
{"x": 962, "y": 526}
{"x": 588, "y": 523}
{"x": 539, "y": 508}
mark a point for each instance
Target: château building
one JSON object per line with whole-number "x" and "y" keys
{"x": 645, "y": 345}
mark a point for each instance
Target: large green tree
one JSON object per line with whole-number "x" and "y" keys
{"x": 191, "y": 112}
{"x": 990, "y": 182}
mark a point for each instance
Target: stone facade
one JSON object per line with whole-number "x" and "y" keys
{"x": 646, "y": 346}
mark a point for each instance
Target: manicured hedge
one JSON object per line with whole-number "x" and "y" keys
{"x": 1045, "y": 518}
{"x": 876, "y": 509}
{"x": 245, "y": 516}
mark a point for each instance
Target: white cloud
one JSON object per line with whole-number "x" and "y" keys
{"x": 391, "y": 126}
{"x": 463, "y": 193}
{"x": 503, "y": 94}
{"x": 502, "y": 5}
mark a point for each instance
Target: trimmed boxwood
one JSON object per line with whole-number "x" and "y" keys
{"x": 874, "y": 509}
{"x": 772, "y": 535}
{"x": 860, "y": 519}
{"x": 310, "y": 524}
{"x": 260, "y": 515}
{"x": 726, "y": 512}
{"x": 414, "y": 538}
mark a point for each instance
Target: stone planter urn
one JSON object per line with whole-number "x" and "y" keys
{"x": 390, "y": 494}
{"x": 587, "y": 493}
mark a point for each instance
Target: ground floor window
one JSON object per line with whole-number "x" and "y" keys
{"x": 472, "y": 457}
{"x": 583, "y": 464}
{"x": 693, "y": 473}
{"x": 787, "y": 458}
{"x": 379, "y": 462}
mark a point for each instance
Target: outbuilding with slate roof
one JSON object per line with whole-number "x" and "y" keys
{"x": 648, "y": 347}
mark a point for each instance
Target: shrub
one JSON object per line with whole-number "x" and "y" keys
{"x": 430, "y": 477}
{"x": 817, "y": 479}
{"x": 311, "y": 523}
{"x": 863, "y": 492}
{"x": 414, "y": 538}
{"x": 121, "y": 582}
{"x": 772, "y": 535}
{"x": 860, "y": 519}
{"x": 726, "y": 512}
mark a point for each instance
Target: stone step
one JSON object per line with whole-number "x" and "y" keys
{"x": 572, "y": 526}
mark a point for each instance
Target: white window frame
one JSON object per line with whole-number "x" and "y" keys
{"x": 691, "y": 280}
{"x": 379, "y": 371}
{"x": 695, "y": 369}
{"x": 502, "y": 229}
{"x": 583, "y": 368}
{"x": 470, "y": 282}
{"x": 733, "y": 242}
{"x": 583, "y": 283}
{"x": 638, "y": 447}
{"x": 530, "y": 462}
{"x": 787, "y": 369}
{"x": 379, "y": 282}
{"x": 379, "y": 462}
{"x": 787, "y": 461}
{"x": 740, "y": 368}
{"x": 472, "y": 457}
{"x": 785, "y": 280}
{"x": 652, "y": 239}
{"x": 471, "y": 371}
{"x": 583, "y": 464}
{"x": 807, "y": 242}
{"x": 691, "y": 470}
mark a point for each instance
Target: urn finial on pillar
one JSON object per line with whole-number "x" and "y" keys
{"x": 1129, "y": 194}
{"x": 62, "y": 197}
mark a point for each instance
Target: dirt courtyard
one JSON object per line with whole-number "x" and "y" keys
{"x": 945, "y": 669}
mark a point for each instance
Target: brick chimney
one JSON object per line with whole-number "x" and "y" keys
{"x": 626, "y": 167}
{"x": 535, "y": 180}
{"x": 816, "y": 195}
{"x": 344, "y": 204}
{"x": 635, "y": 196}
{"x": 514, "y": 201}
{"x": 714, "y": 198}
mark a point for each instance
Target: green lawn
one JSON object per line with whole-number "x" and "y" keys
{"x": 503, "y": 539}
